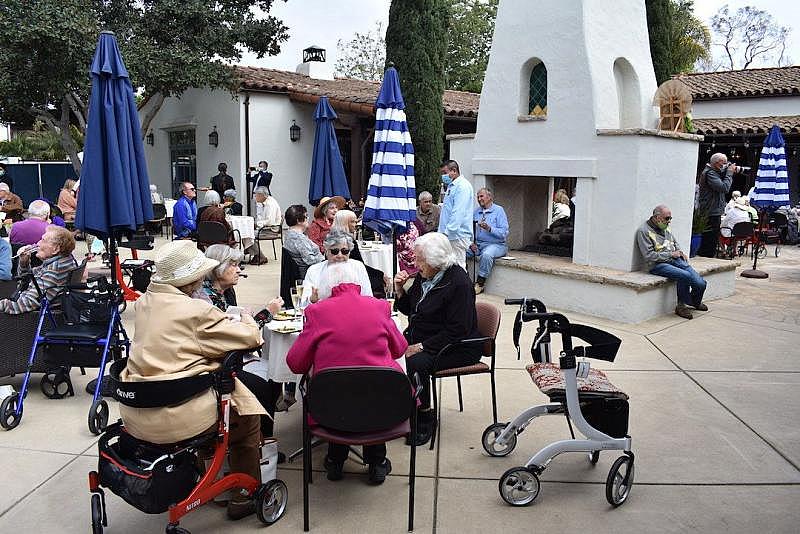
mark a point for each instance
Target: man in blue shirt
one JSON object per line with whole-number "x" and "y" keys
{"x": 5, "y": 260}
{"x": 455, "y": 220}
{"x": 184, "y": 214}
{"x": 490, "y": 239}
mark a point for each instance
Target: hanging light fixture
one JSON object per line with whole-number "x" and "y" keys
{"x": 294, "y": 132}
{"x": 151, "y": 138}
{"x": 213, "y": 138}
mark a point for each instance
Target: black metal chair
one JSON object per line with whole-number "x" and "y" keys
{"x": 359, "y": 406}
{"x": 212, "y": 233}
{"x": 289, "y": 273}
{"x": 774, "y": 233}
{"x": 158, "y": 220}
{"x": 488, "y": 325}
{"x": 269, "y": 233}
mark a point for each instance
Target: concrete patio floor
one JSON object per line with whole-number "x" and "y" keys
{"x": 714, "y": 404}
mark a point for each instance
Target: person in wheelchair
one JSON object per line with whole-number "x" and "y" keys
{"x": 333, "y": 337}
{"x": 178, "y": 336}
{"x": 54, "y": 249}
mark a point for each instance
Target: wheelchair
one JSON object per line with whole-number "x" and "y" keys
{"x": 80, "y": 327}
{"x": 159, "y": 478}
{"x": 583, "y": 395}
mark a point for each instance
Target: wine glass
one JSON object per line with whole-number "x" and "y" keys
{"x": 295, "y": 294}
{"x": 390, "y": 298}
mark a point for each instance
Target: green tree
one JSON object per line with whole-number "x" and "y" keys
{"x": 749, "y": 37}
{"x": 364, "y": 56}
{"x": 416, "y": 42}
{"x": 46, "y": 47}
{"x": 678, "y": 39}
{"x": 469, "y": 43}
{"x": 39, "y": 144}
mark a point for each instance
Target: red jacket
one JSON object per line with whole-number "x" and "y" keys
{"x": 317, "y": 231}
{"x": 347, "y": 329}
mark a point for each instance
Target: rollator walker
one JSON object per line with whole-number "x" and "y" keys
{"x": 583, "y": 395}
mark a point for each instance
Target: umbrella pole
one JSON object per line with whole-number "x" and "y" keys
{"x": 755, "y": 273}
{"x": 394, "y": 256}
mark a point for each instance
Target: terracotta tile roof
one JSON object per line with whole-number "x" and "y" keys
{"x": 747, "y": 125}
{"x": 359, "y": 94}
{"x": 743, "y": 83}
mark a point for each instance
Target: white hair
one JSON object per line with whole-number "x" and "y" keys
{"x": 211, "y": 198}
{"x": 736, "y": 194}
{"x": 261, "y": 190}
{"x": 425, "y": 196}
{"x": 344, "y": 272}
{"x": 153, "y": 188}
{"x": 436, "y": 250}
{"x": 341, "y": 220}
{"x": 39, "y": 209}
{"x": 4, "y": 187}
{"x": 336, "y": 237}
{"x": 719, "y": 156}
{"x": 225, "y": 255}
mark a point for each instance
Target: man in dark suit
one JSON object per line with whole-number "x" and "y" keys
{"x": 261, "y": 177}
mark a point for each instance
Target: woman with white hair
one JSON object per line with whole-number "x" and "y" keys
{"x": 440, "y": 305}
{"x": 732, "y": 202}
{"x": 337, "y": 246}
{"x": 331, "y": 338}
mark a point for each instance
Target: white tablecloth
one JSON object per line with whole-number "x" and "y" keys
{"x": 246, "y": 227}
{"x": 377, "y": 255}
{"x": 169, "y": 203}
{"x": 272, "y": 365}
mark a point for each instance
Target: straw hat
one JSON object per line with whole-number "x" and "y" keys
{"x": 179, "y": 263}
{"x": 339, "y": 201}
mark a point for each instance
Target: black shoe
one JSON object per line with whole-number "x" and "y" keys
{"x": 424, "y": 432}
{"x": 334, "y": 469}
{"x": 378, "y": 472}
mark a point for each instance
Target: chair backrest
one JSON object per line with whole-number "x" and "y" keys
{"x": 159, "y": 212}
{"x": 289, "y": 273}
{"x": 778, "y": 220}
{"x": 76, "y": 274}
{"x": 211, "y": 232}
{"x": 743, "y": 229}
{"x": 360, "y": 399}
{"x": 488, "y": 324}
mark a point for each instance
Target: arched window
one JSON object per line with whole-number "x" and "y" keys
{"x": 537, "y": 96}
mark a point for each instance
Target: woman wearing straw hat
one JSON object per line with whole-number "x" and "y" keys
{"x": 178, "y": 336}
{"x": 324, "y": 214}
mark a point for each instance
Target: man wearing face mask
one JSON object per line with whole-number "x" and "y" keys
{"x": 664, "y": 257}
{"x": 455, "y": 220}
{"x": 261, "y": 177}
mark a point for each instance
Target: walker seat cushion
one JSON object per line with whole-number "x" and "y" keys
{"x": 549, "y": 378}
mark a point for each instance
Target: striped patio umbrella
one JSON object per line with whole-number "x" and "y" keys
{"x": 772, "y": 179}
{"x": 391, "y": 197}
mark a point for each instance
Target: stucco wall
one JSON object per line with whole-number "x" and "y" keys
{"x": 747, "y": 107}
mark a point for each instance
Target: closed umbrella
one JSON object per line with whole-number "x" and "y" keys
{"x": 771, "y": 189}
{"x": 327, "y": 170}
{"x": 391, "y": 196}
{"x": 114, "y": 196}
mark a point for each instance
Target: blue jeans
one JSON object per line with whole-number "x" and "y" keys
{"x": 691, "y": 285}
{"x": 487, "y": 252}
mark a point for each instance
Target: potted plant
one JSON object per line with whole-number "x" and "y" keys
{"x": 699, "y": 227}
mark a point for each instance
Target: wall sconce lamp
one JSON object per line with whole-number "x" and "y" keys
{"x": 294, "y": 132}
{"x": 213, "y": 138}
{"x": 151, "y": 139}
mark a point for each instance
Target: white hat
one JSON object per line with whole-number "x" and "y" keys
{"x": 179, "y": 263}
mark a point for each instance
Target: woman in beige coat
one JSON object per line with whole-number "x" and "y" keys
{"x": 177, "y": 336}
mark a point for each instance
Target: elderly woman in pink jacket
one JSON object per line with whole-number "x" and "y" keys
{"x": 345, "y": 329}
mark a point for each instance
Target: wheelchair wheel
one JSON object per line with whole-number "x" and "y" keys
{"x": 271, "y": 499}
{"x": 175, "y": 529}
{"x": 98, "y": 417}
{"x": 594, "y": 456}
{"x": 519, "y": 486}
{"x": 55, "y": 385}
{"x": 491, "y": 447}
{"x": 762, "y": 251}
{"x": 777, "y": 249}
{"x": 97, "y": 514}
{"x": 9, "y": 419}
{"x": 619, "y": 481}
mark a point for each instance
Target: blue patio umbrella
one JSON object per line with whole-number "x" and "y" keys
{"x": 327, "y": 170}
{"x": 114, "y": 195}
{"x": 391, "y": 196}
{"x": 771, "y": 189}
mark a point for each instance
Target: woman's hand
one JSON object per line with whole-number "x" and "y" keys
{"x": 314, "y": 295}
{"x": 399, "y": 281}
{"x": 413, "y": 349}
{"x": 275, "y": 305}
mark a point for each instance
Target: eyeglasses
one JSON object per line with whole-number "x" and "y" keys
{"x": 669, "y": 218}
{"x": 190, "y": 189}
{"x": 335, "y": 251}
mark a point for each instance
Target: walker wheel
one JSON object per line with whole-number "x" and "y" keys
{"x": 54, "y": 385}
{"x": 519, "y": 486}
{"x": 176, "y": 529}
{"x": 271, "y": 499}
{"x": 97, "y": 514}
{"x": 9, "y": 419}
{"x": 98, "y": 417}
{"x": 619, "y": 481}
{"x": 777, "y": 250}
{"x": 493, "y": 448}
{"x": 594, "y": 456}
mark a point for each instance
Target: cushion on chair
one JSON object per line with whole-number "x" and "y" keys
{"x": 474, "y": 369}
{"x": 549, "y": 378}
{"x": 362, "y": 438}
{"x": 82, "y": 332}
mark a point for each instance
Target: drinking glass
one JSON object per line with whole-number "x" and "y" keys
{"x": 390, "y": 298}
{"x": 295, "y": 293}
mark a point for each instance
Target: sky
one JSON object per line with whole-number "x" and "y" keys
{"x": 324, "y": 22}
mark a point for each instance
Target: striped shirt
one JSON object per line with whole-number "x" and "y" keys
{"x": 51, "y": 276}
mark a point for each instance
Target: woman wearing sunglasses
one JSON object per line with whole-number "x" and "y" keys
{"x": 337, "y": 245}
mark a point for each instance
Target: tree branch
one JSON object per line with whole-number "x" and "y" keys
{"x": 78, "y": 109}
{"x": 155, "y": 103}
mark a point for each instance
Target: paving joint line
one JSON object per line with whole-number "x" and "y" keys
{"x": 703, "y": 388}
{"x": 638, "y": 483}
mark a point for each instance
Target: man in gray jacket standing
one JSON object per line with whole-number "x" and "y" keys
{"x": 664, "y": 257}
{"x": 715, "y": 182}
